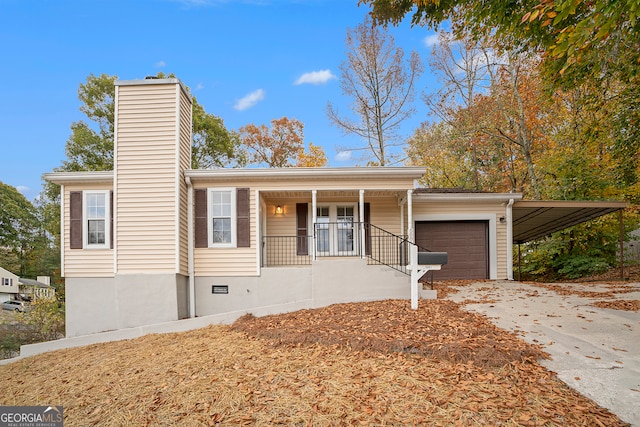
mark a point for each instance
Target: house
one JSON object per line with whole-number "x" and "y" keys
{"x": 33, "y": 290}
{"x": 9, "y": 287}
{"x": 155, "y": 241}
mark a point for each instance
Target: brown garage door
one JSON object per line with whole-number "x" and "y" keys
{"x": 466, "y": 242}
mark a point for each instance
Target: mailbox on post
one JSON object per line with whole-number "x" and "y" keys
{"x": 432, "y": 258}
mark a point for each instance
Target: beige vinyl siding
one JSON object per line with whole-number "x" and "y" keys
{"x": 385, "y": 214}
{"x": 146, "y": 179}
{"x": 285, "y": 224}
{"x": 84, "y": 262}
{"x": 229, "y": 261}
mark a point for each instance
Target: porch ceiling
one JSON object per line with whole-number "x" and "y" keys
{"x": 533, "y": 220}
{"x": 329, "y": 194}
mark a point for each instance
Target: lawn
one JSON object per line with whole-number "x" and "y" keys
{"x": 374, "y": 363}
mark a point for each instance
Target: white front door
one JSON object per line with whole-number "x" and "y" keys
{"x": 336, "y": 230}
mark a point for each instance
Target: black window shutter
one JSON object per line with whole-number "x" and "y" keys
{"x": 243, "y": 229}
{"x": 302, "y": 239}
{"x": 200, "y": 229}
{"x": 75, "y": 225}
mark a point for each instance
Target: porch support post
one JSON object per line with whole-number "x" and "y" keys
{"x": 314, "y": 218}
{"x": 410, "y": 231}
{"x": 361, "y": 221}
{"x": 402, "y": 218}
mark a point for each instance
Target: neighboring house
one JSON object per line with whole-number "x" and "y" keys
{"x": 9, "y": 287}
{"x": 14, "y": 287}
{"x": 33, "y": 290}
{"x": 154, "y": 241}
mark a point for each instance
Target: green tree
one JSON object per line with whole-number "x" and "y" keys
{"x": 19, "y": 228}
{"x": 381, "y": 85}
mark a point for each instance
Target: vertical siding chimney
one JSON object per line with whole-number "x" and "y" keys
{"x": 152, "y": 150}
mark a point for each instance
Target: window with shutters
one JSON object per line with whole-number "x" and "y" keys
{"x": 222, "y": 217}
{"x": 96, "y": 214}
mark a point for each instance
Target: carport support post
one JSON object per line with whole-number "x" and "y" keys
{"x": 621, "y": 244}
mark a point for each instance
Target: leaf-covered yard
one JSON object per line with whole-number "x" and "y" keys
{"x": 376, "y": 363}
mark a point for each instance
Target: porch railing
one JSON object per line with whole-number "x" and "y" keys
{"x": 386, "y": 248}
{"x": 286, "y": 250}
{"x": 338, "y": 239}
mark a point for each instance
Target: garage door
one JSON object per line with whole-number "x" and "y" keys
{"x": 466, "y": 242}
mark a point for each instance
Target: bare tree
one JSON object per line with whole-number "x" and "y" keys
{"x": 381, "y": 85}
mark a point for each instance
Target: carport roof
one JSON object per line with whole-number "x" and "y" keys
{"x": 534, "y": 219}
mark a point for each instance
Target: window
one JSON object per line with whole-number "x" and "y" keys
{"x": 222, "y": 217}
{"x": 7, "y": 281}
{"x": 96, "y": 219}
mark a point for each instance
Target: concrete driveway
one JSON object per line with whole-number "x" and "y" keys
{"x": 596, "y": 351}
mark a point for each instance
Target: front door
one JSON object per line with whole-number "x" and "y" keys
{"x": 336, "y": 230}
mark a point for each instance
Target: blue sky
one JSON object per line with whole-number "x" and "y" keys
{"x": 246, "y": 61}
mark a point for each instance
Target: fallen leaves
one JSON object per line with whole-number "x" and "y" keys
{"x": 375, "y": 363}
{"x": 439, "y": 329}
{"x": 626, "y": 305}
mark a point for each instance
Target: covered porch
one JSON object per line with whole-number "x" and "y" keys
{"x": 300, "y": 227}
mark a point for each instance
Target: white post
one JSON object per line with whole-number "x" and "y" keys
{"x": 314, "y": 218}
{"x": 361, "y": 221}
{"x": 410, "y": 234}
{"x": 510, "y": 240}
{"x": 402, "y": 218}
{"x": 415, "y": 275}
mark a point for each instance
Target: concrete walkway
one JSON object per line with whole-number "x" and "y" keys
{"x": 596, "y": 351}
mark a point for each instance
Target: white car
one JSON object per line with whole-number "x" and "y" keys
{"x": 13, "y": 306}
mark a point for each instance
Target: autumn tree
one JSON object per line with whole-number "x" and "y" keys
{"x": 275, "y": 147}
{"x": 381, "y": 86}
{"x": 314, "y": 157}
{"x": 491, "y": 103}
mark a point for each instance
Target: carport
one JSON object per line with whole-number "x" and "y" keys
{"x": 535, "y": 219}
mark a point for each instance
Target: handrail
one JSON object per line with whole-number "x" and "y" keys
{"x": 340, "y": 239}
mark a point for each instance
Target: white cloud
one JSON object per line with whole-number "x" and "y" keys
{"x": 431, "y": 40}
{"x": 315, "y": 77}
{"x": 343, "y": 156}
{"x": 250, "y": 100}
{"x": 23, "y": 189}
{"x": 199, "y": 86}
{"x": 161, "y": 64}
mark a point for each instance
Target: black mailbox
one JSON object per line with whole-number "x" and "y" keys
{"x": 432, "y": 258}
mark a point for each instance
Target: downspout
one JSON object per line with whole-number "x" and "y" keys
{"x": 192, "y": 283}
{"x": 314, "y": 218}
{"x": 510, "y": 240}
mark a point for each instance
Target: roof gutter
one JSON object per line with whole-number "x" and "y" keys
{"x": 466, "y": 197}
{"x": 75, "y": 177}
{"x": 326, "y": 173}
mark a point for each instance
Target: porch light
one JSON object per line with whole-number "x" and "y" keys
{"x": 279, "y": 210}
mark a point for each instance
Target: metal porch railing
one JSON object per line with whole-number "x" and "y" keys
{"x": 339, "y": 239}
